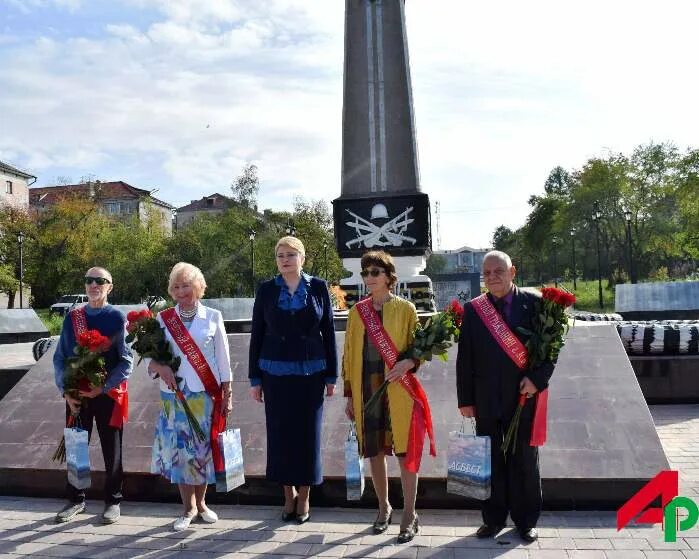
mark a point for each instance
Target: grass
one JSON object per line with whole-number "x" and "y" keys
{"x": 53, "y": 323}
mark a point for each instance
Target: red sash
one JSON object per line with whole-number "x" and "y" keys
{"x": 516, "y": 351}
{"x": 421, "y": 419}
{"x": 196, "y": 359}
{"x": 120, "y": 394}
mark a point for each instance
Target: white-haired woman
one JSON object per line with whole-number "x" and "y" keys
{"x": 178, "y": 454}
{"x": 293, "y": 362}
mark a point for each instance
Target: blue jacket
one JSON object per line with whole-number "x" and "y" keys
{"x": 118, "y": 358}
{"x": 300, "y": 341}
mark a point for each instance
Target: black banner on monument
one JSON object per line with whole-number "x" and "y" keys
{"x": 399, "y": 225}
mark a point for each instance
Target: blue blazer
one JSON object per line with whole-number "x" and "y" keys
{"x": 303, "y": 335}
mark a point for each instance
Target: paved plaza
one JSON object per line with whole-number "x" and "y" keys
{"x": 27, "y": 528}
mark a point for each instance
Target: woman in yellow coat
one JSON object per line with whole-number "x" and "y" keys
{"x": 364, "y": 371}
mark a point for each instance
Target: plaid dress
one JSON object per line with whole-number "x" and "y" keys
{"x": 377, "y": 434}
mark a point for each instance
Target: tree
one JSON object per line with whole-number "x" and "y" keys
{"x": 558, "y": 183}
{"x": 247, "y": 186}
{"x": 12, "y": 221}
{"x": 436, "y": 263}
{"x": 502, "y": 238}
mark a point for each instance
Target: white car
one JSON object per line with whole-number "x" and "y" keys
{"x": 67, "y": 303}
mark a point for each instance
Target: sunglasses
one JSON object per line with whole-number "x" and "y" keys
{"x": 374, "y": 273}
{"x": 98, "y": 281}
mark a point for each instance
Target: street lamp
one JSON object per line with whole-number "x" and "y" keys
{"x": 252, "y": 260}
{"x": 627, "y": 217}
{"x": 596, "y": 216}
{"x": 575, "y": 272}
{"x": 325, "y": 259}
{"x": 290, "y": 229}
{"x": 554, "y": 244}
{"x": 20, "y": 241}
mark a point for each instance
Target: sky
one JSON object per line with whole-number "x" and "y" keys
{"x": 178, "y": 95}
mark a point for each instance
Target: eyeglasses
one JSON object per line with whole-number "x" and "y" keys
{"x": 98, "y": 281}
{"x": 283, "y": 255}
{"x": 374, "y": 273}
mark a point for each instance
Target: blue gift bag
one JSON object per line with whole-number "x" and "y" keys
{"x": 234, "y": 474}
{"x": 77, "y": 457}
{"x": 354, "y": 466}
{"x": 468, "y": 464}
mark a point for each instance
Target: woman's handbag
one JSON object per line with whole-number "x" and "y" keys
{"x": 233, "y": 474}
{"x": 468, "y": 464}
{"x": 77, "y": 457}
{"x": 354, "y": 466}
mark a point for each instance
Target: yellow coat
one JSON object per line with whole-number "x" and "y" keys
{"x": 399, "y": 320}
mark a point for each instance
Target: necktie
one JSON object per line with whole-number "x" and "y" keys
{"x": 499, "y": 305}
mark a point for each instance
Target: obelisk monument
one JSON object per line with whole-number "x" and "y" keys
{"x": 381, "y": 205}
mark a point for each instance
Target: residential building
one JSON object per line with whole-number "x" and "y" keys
{"x": 212, "y": 205}
{"x": 116, "y": 198}
{"x": 464, "y": 259}
{"x": 14, "y": 186}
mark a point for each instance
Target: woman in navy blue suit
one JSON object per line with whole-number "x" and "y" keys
{"x": 293, "y": 363}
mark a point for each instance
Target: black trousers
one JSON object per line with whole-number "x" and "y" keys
{"x": 515, "y": 482}
{"x": 99, "y": 410}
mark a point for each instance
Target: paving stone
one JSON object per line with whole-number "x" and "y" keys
{"x": 547, "y": 554}
{"x": 556, "y": 543}
{"x": 631, "y": 543}
{"x": 592, "y": 543}
{"x": 586, "y": 554}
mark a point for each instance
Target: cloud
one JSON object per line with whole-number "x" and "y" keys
{"x": 180, "y": 94}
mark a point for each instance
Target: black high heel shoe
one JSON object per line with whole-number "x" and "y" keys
{"x": 302, "y": 518}
{"x": 289, "y": 516}
{"x": 410, "y": 532}
{"x": 380, "y": 526}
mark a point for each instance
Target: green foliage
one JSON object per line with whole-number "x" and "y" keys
{"x": 436, "y": 263}
{"x": 656, "y": 184}
{"x": 246, "y": 187}
{"x": 53, "y": 322}
{"x": 8, "y": 282}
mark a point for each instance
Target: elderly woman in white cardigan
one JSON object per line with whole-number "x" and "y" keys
{"x": 178, "y": 454}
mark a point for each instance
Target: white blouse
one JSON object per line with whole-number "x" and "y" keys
{"x": 209, "y": 333}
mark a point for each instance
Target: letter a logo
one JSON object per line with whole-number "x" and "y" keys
{"x": 664, "y": 485}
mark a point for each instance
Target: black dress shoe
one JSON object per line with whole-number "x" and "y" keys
{"x": 410, "y": 532}
{"x": 289, "y": 516}
{"x": 529, "y": 536}
{"x": 381, "y": 525}
{"x": 488, "y": 531}
{"x": 303, "y": 518}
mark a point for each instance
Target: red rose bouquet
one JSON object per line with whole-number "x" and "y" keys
{"x": 438, "y": 334}
{"x": 546, "y": 339}
{"x": 147, "y": 337}
{"x": 84, "y": 371}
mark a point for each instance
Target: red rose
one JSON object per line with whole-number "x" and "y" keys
{"x": 558, "y": 296}
{"x": 132, "y": 316}
{"x": 100, "y": 343}
{"x": 456, "y": 308}
{"x": 145, "y": 314}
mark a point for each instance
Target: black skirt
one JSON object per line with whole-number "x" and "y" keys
{"x": 294, "y": 411}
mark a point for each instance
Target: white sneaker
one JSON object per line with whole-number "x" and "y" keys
{"x": 182, "y": 523}
{"x": 208, "y": 516}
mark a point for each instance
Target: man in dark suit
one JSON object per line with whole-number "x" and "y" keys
{"x": 488, "y": 384}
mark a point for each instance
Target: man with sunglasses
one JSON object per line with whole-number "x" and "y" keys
{"x": 105, "y": 405}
